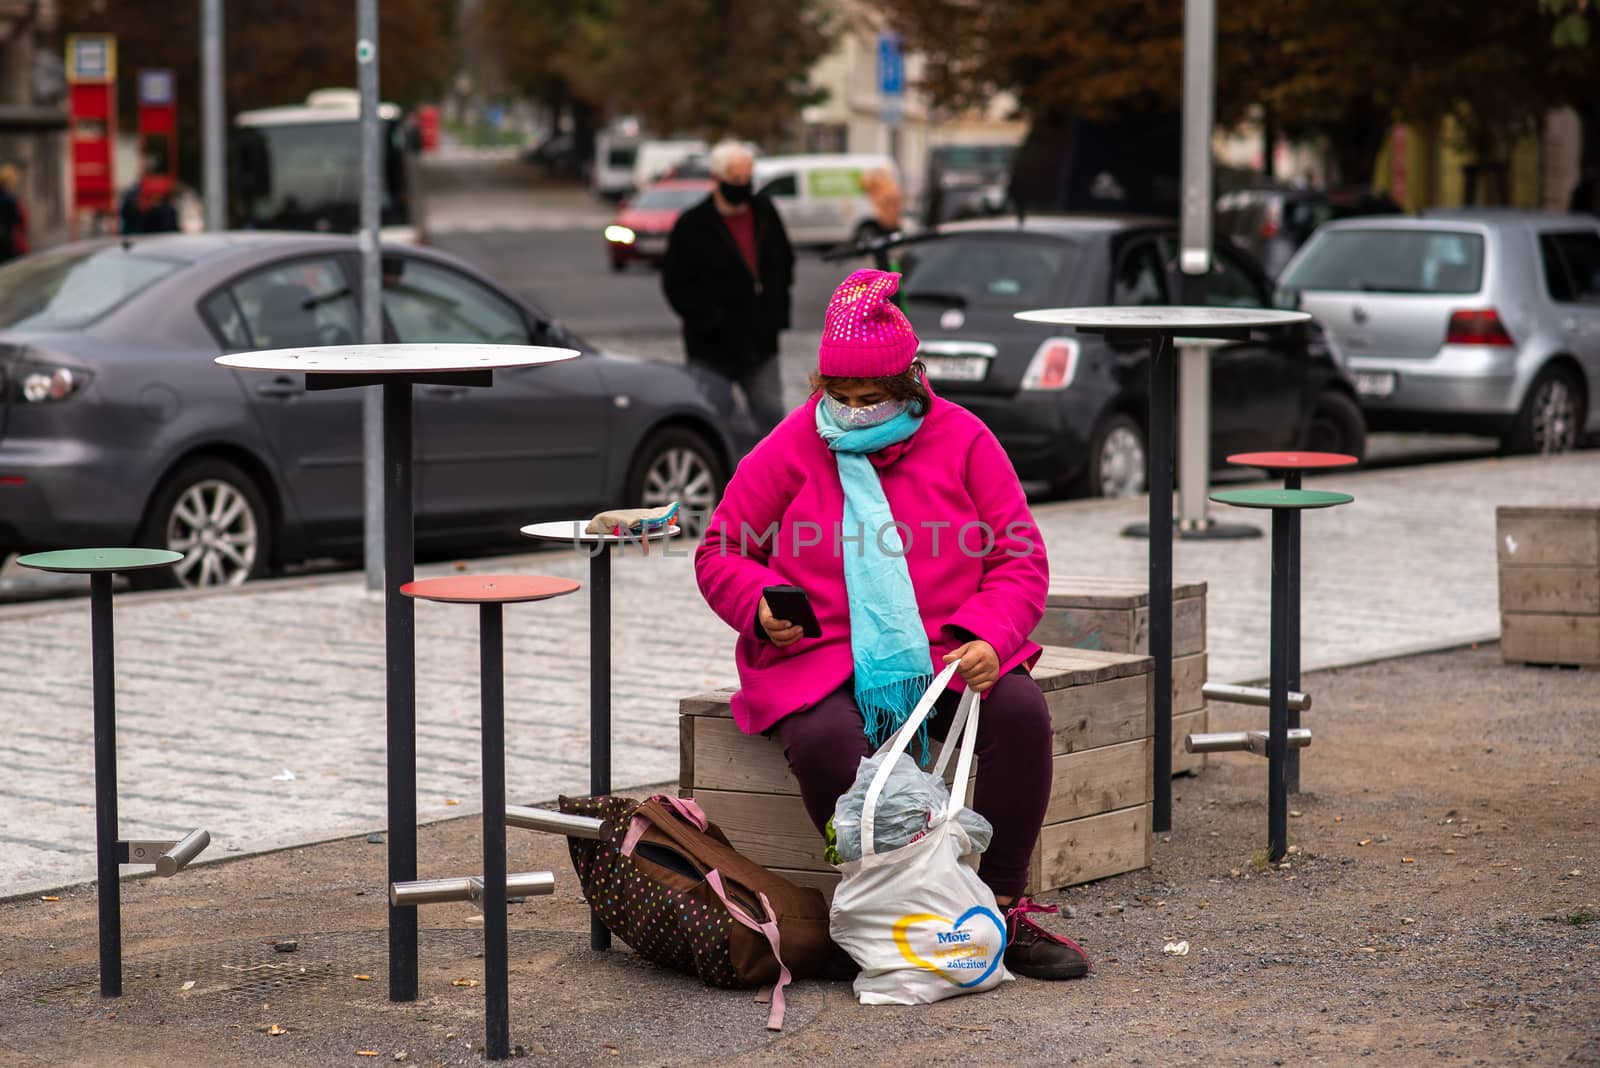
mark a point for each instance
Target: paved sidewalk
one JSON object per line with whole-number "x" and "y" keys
{"x": 258, "y": 713}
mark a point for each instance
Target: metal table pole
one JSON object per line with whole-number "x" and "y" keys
{"x": 1162, "y": 388}
{"x": 400, "y": 635}
{"x": 1291, "y": 768}
{"x": 599, "y": 698}
{"x": 109, "y": 891}
{"x": 497, "y": 1012}
{"x": 1278, "y": 709}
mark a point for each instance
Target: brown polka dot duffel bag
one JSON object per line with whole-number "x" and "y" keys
{"x": 664, "y": 880}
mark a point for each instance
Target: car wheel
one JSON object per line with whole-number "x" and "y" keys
{"x": 1118, "y": 459}
{"x": 1551, "y": 418}
{"x": 867, "y": 231}
{"x": 678, "y": 465}
{"x": 212, "y": 512}
{"x": 1337, "y": 425}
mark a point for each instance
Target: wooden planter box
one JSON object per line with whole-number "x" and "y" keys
{"x": 1097, "y": 825}
{"x": 1114, "y": 615}
{"x": 1549, "y": 584}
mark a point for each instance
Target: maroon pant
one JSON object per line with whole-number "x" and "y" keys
{"x": 826, "y": 742}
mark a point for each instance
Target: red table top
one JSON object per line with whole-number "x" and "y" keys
{"x": 1292, "y": 461}
{"x": 488, "y": 589}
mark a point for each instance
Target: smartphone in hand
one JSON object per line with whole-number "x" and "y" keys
{"x": 792, "y": 604}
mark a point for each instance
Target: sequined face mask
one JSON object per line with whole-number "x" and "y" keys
{"x": 868, "y": 415}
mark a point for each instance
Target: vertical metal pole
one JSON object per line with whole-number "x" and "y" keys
{"x": 1199, "y": 65}
{"x": 371, "y": 285}
{"x": 401, "y": 640}
{"x": 599, "y": 698}
{"x": 1194, "y": 425}
{"x": 1161, "y": 390}
{"x": 108, "y": 891}
{"x": 1291, "y": 773}
{"x": 213, "y": 133}
{"x": 491, "y": 673}
{"x": 1278, "y": 707}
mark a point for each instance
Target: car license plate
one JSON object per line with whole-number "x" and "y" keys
{"x": 1374, "y": 383}
{"x": 956, "y": 368}
{"x": 651, "y": 245}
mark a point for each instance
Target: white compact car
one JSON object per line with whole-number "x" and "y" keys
{"x": 822, "y": 199}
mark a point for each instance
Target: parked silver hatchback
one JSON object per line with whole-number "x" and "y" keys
{"x": 1470, "y": 321}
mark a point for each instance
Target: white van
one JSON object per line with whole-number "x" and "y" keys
{"x": 822, "y": 199}
{"x": 654, "y": 157}
{"x": 614, "y": 156}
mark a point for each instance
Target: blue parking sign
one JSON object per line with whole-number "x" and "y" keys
{"x": 891, "y": 65}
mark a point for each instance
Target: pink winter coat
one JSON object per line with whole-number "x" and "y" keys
{"x": 953, "y": 490}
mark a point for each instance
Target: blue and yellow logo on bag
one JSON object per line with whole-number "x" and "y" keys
{"x": 962, "y": 951}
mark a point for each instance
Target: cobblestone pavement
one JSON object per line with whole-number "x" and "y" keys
{"x": 258, "y": 713}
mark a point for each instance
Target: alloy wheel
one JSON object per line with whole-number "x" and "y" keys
{"x": 215, "y": 528}
{"x": 681, "y": 474}
{"x": 1555, "y": 416}
{"x": 1122, "y": 463}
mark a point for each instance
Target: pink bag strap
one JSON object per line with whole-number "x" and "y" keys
{"x": 774, "y": 993}
{"x": 690, "y": 812}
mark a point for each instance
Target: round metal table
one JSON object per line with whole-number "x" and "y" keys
{"x": 491, "y": 593}
{"x": 1286, "y": 505}
{"x": 599, "y": 547}
{"x": 100, "y": 565}
{"x": 1160, "y": 325}
{"x": 397, "y": 368}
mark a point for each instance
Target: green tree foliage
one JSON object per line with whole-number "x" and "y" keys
{"x": 709, "y": 67}
{"x": 275, "y": 53}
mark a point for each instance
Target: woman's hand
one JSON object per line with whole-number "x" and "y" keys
{"x": 980, "y": 664}
{"x": 781, "y": 632}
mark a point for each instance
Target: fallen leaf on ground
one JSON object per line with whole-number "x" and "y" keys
{"x": 276, "y": 1030}
{"x": 1176, "y": 949}
{"x": 187, "y": 986}
{"x": 1295, "y": 813}
{"x": 1338, "y": 819}
{"x": 1366, "y": 949}
{"x": 1364, "y": 841}
{"x": 1449, "y": 852}
{"x": 451, "y": 801}
{"x": 363, "y": 978}
{"x": 463, "y": 982}
{"x": 1408, "y": 860}
{"x": 50, "y": 897}
{"x": 366, "y": 1053}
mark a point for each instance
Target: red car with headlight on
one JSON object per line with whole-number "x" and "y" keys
{"x": 640, "y": 229}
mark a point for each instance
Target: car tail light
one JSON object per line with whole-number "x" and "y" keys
{"x": 1270, "y": 222}
{"x": 1477, "y": 327}
{"x": 42, "y": 383}
{"x": 1053, "y": 365}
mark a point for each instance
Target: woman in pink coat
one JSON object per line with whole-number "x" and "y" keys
{"x": 902, "y": 519}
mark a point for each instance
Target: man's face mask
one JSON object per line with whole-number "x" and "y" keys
{"x": 868, "y": 415}
{"x": 734, "y": 193}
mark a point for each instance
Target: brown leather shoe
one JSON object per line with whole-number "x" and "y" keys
{"x": 1033, "y": 952}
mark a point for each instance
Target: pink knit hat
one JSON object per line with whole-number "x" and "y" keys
{"x": 865, "y": 335}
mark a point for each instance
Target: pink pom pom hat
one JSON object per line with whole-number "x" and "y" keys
{"x": 865, "y": 335}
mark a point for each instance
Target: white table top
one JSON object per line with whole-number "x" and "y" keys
{"x": 395, "y": 359}
{"x": 571, "y": 530}
{"x": 1162, "y": 317}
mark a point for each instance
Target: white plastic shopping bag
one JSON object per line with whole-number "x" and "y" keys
{"x": 917, "y": 919}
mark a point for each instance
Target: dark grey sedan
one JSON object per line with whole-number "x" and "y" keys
{"x": 117, "y": 428}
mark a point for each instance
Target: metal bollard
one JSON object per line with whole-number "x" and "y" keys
{"x": 1241, "y": 741}
{"x": 1252, "y": 695}
{"x": 468, "y": 888}
{"x": 552, "y": 822}
{"x": 168, "y": 857}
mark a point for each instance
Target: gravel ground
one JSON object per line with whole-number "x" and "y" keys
{"x": 1440, "y": 907}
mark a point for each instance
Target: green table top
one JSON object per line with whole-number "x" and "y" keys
{"x": 80, "y": 561}
{"x": 1281, "y": 498}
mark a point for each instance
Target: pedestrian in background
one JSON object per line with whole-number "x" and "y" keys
{"x": 11, "y": 218}
{"x": 727, "y": 273}
{"x": 10, "y": 181}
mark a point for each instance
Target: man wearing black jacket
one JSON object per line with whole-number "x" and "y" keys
{"x": 727, "y": 273}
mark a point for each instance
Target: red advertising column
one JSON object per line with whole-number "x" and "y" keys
{"x": 92, "y": 125}
{"x": 428, "y": 125}
{"x": 158, "y": 131}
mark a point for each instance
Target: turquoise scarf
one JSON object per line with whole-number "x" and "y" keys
{"x": 893, "y": 664}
